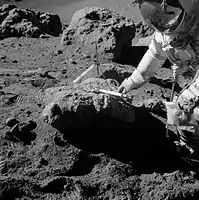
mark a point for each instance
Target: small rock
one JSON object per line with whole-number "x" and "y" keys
{"x": 86, "y": 56}
{"x": 32, "y": 125}
{"x": 60, "y": 141}
{"x": 39, "y": 104}
{"x": 15, "y": 61}
{"x": 22, "y": 132}
{"x": 64, "y": 71}
{"x": 11, "y": 121}
{"x": 9, "y": 153}
{"x": 59, "y": 51}
{"x": 43, "y": 36}
{"x": 3, "y": 57}
{"x": 37, "y": 82}
{"x": 27, "y": 126}
{"x": 43, "y": 74}
{"x": 49, "y": 74}
{"x": 12, "y": 99}
{"x": 64, "y": 26}
{"x": 53, "y": 75}
{"x": 43, "y": 161}
{"x": 28, "y": 112}
{"x": 39, "y": 166}
{"x": 71, "y": 61}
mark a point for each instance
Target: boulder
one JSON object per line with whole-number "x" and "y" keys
{"x": 79, "y": 106}
{"x": 15, "y": 22}
{"x": 111, "y": 31}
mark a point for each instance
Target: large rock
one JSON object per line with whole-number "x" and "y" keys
{"x": 78, "y": 107}
{"x": 15, "y": 22}
{"x": 111, "y": 31}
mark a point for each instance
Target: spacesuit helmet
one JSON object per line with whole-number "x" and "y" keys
{"x": 167, "y": 16}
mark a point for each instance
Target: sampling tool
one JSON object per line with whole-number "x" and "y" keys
{"x": 174, "y": 67}
{"x": 99, "y": 68}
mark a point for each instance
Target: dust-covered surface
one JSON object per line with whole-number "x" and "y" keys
{"x": 104, "y": 157}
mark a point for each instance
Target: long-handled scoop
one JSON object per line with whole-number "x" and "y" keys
{"x": 112, "y": 93}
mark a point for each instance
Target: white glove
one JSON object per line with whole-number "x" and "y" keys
{"x": 135, "y": 81}
{"x": 126, "y": 85}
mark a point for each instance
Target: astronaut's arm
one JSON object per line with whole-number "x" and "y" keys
{"x": 148, "y": 66}
{"x": 152, "y": 60}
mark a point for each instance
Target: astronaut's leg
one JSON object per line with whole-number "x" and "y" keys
{"x": 188, "y": 145}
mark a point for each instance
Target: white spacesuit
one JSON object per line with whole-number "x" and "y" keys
{"x": 176, "y": 37}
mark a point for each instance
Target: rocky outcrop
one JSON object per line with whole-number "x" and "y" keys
{"x": 79, "y": 107}
{"x": 112, "y": 33}
{"x": 105, "y": 27}
{"x": 15, "y": 22}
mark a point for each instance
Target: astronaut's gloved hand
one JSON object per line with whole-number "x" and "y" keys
{"x": 126, "y": 85}
{"x": 134, "y": 81}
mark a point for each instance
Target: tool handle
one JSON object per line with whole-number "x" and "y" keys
{"x": 112, "y": 93}
{"x": 83, "y": 74}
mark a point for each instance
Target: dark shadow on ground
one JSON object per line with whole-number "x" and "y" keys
{"x": 142, "y": 143}
{"x": 166, "y": 84}
{"x": 131, "y": 55}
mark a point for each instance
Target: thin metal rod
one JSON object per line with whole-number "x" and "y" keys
{"x": 97, "y": 60}
{"x": 171, "y": 99}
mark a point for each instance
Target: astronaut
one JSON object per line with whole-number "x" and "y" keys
{"x": 176, "y": 37}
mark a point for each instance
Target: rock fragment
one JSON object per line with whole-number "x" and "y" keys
{"x": 42, "y": 162}
{"x": 11, "y": 121}
{"x": 22, "y": 131}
